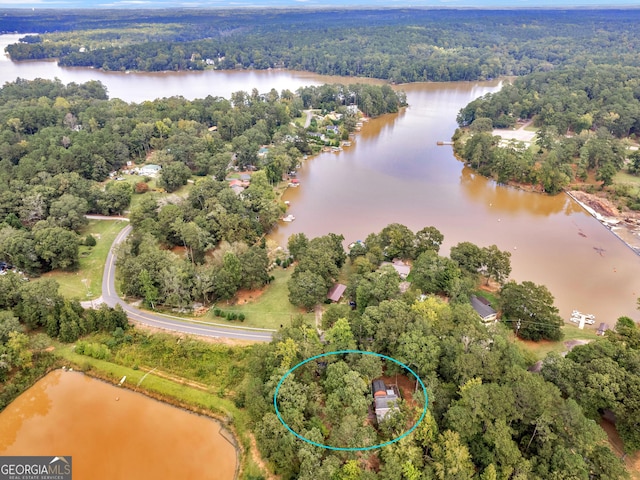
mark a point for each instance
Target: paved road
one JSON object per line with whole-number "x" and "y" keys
{"x": 167, "y": 322}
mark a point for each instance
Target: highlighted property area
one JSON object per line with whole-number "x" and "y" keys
{"x": 350, "y": 400}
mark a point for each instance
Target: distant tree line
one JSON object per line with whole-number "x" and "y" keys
{"x": 407, "y": 45}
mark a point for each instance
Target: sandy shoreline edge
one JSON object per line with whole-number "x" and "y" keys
{"x": 618, "y": 225}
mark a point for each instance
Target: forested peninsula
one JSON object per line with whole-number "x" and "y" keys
{"x": 399, "y": 45}
{"x": 581, "y": 115}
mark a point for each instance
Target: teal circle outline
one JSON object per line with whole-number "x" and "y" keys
{"x": 351, "y": 449}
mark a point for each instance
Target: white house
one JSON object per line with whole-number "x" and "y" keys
{"x": 149, "y": 170}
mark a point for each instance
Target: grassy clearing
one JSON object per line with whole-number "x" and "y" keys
{"x": 541, "y": 349}
{"x": 625, "y": 177}
{"x": 153, "y": 383}
{"x": 299, "y": 121}
{"x": 491, "y": 296}
{"x": 85, "y": 283}
{"x": 268, "y": 309}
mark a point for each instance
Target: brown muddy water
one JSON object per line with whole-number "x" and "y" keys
{"x": 395, "y": 172}
{"x": 113, "y": 433}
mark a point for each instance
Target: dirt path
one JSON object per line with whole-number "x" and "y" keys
{"x": 307, "y": 121}
{"x": 257, "y": 458}
{"x": 318, "y": 312}
{"x": 175, "y": 378}
{"x": 519, "y": 134}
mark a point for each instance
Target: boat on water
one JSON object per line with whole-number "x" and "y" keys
{"x": 288, "y": 218}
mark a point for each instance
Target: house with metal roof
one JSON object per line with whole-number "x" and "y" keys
{"x": 336, "y": 292}
{"x": 385, "y": 399}
{"x": 483, "y": 309}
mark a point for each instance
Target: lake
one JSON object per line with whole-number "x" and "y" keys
{"x": 395, "y": 172}
{"x": 111, "y": 432}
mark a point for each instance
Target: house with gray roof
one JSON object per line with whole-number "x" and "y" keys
{"x": 385, "y": 399}
{"x": 483, "y": 309}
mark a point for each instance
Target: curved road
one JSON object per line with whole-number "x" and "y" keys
{"x": 167, "y": 322}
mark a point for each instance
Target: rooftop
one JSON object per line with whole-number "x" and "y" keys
{"x": 336, "y": 292}
{"x": 482, "y": 307}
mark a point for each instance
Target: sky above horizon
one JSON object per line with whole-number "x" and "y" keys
{"x": 35, "y": 4}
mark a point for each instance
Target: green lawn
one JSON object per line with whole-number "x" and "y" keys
{"x": 625, "y": 177}
{"x": 154, "y": 383}
{"x": 269, "y": 310}
{"x": 85, "y": 283}
{"x": 541, "y": 349}
{"x": 153, "y": 184}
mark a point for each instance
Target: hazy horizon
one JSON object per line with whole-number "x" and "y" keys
{"x": 479, "y": 4}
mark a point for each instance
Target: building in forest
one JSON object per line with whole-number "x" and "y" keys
{"x": 385, "y": 399}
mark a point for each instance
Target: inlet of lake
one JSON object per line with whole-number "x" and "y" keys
{"x": 395, "y": 172}
{"x": 111, "y": 432}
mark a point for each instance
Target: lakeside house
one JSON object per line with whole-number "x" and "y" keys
{"x": 385, "y": 399}
{"x": 484, "y": 310}
{"x": 238, "y": 186}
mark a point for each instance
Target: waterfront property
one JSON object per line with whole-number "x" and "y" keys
{"x": 484, "y": 310}
{"x": 399, "y": 266}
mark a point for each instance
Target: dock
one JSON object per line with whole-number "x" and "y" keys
{"x": 582, "y": 318}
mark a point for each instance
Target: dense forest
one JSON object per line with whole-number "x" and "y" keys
{"x": 581, "y": 114}
{"x": 401, "y": 45}
{"x": 59, "y": 144}
{"x": 528, "y": 308}
{"x": 487, "y": 416}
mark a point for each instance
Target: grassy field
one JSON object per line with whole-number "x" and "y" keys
{"x": 625, "y": 177}
{"x": 542, "y": 348}
{"x": 85, "y": 283}
{"x": 266, "y": 309}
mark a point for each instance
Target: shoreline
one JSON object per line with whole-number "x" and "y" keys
{"x": 616, "y": 224}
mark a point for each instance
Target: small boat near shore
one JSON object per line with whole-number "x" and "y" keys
{"x": 288, "y": 218}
